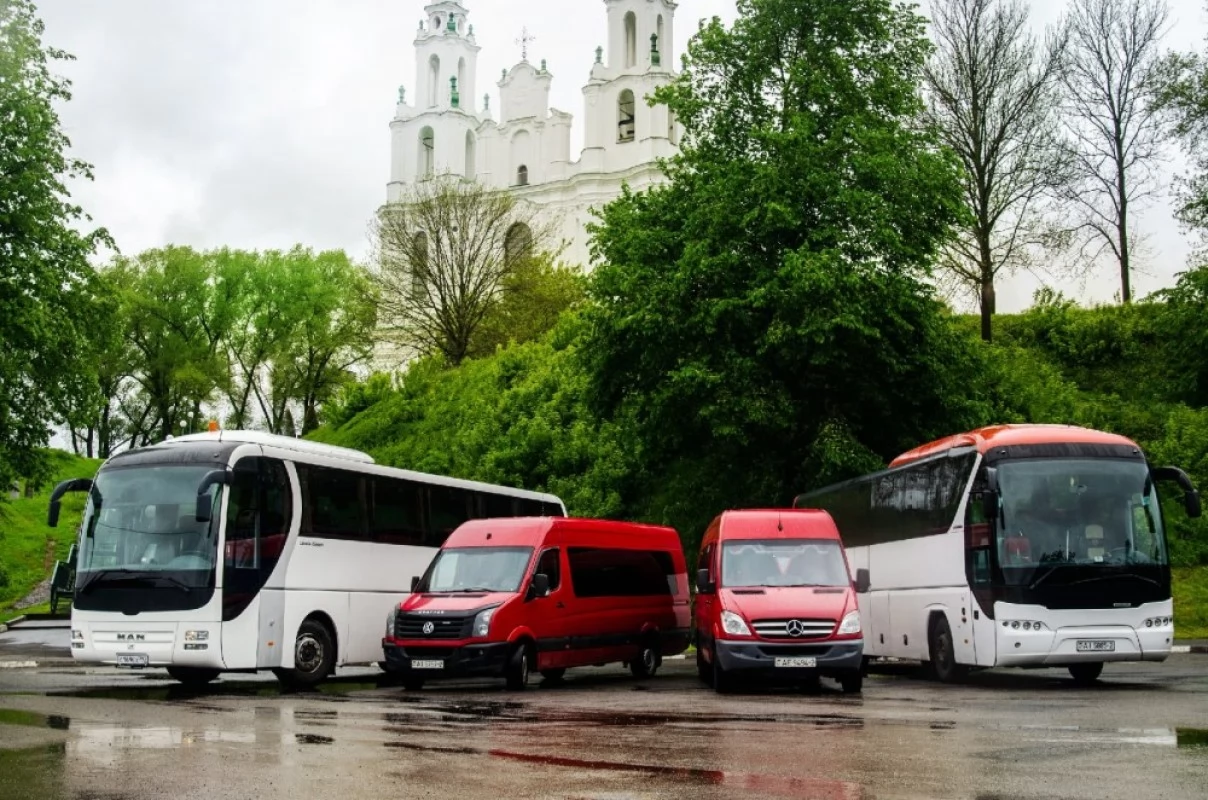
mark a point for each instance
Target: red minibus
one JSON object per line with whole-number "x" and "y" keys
{"x": 505, "y": 597}
{"x": 775, "y": 600}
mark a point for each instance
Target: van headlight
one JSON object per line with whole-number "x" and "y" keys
{"x": 391, "y": 619}
{"x": 733, "y": 624}
{"x": 850, "y": 624}
{"x": 482, "y": 623}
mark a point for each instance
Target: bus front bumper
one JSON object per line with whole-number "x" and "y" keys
{"x": 431, "y": 662}
{"x": 776, "y": 659}
{"x": 1083, "y": 644}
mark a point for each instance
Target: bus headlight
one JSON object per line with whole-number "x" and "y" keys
{"x": 733, "y": 624}
{"x": 1159, "y": 622}
{"x": 1027, "y": 624}
{"x": 850, "y": 624}
{"x": 482, "y": 623}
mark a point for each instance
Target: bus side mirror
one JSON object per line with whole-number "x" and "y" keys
{"x": 56, "y": 498}
{"x": 863, "y": 582}
{"x": 205, "y": 505}
{"x": 989, "y": 497}
{"x": 703, "y": 584}
{"x": 540, "y": 586}
{"x": 414, "y": 582}
{"x": 1191, "y": 497}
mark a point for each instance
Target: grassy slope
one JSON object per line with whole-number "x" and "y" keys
{"x": 1191, "y": 603}
{"x": 24, "y": 533}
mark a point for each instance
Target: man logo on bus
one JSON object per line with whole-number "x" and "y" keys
{"x": 796, "y": 627}
{"x": 429, "y": 627}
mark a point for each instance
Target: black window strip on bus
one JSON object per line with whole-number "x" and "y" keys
{"x": 1063, "y": 450}
{"x": 907, "y": 502}
{"x": 339, "y": 504}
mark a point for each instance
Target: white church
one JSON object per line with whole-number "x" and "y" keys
{"x": 447, "y": 127}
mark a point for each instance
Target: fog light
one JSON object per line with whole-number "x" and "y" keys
{"x": 196, "y": 646}
{"x": 1015, "y": 624}
{"x": 197, "y": 636}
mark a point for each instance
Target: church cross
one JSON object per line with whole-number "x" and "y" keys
{"x": 523, "y": 41}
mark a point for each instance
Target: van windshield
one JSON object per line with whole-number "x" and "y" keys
{"x": 783, "y": 562}
{"x": 476, "y": 569}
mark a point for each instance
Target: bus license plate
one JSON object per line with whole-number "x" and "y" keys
{"x": 797, "y": 662}
{"x": 1095, "y": 646}
{"x": 134, "y": 660}
{"x": 419, "y": 663}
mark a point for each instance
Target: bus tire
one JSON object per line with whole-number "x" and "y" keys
{"x": 648, "y": 659}
{"x": 314, "y": 656}
{"x": 516, "y": 673}
{"x": 1086, "y": 674}
{"x": 192, "y": 677}
{"x": 943, "y": 658}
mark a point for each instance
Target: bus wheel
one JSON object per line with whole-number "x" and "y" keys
{"x": 192, "y": 677}
{"x": 648, "y": 660}
{"x": 943, "y": 659}
{"x": 1086, "y": 674}
{"x": 314, "y": 655}
{"x": 517, "y": 672}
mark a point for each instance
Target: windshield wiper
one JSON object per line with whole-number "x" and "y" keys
{"x": 472, "y": 589}
{"x": 1042, "y": 578}
{"x": 1117, "y": 575}
{"x": 123, "y": 575}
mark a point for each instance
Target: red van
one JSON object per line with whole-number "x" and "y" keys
{"x": 505, "y": 597}
{"x": 775, "y": 600}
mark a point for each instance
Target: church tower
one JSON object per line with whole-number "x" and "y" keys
{"x": 622, "y": 131}
{"x": 434, "y": 132}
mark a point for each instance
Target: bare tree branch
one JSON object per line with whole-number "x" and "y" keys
{"x": 1112, "y": 116}
{"x": 442, "y": 253}
{"x": 993, "y": 96}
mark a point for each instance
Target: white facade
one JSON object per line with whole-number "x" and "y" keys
{"x": 445, "y": 127}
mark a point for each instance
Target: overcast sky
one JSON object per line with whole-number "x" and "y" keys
{"x": 264, "y": 123}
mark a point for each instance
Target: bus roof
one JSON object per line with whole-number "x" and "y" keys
{"x": 993, "y": 436}
{"x": 275, "y": 440}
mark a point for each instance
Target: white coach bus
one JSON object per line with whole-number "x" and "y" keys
{"x": 236, "y": 551}
{"x": 1016, "y": 545}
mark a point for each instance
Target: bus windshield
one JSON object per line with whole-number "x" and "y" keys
{"x": 1086, "y": 512}
{"x": 140, "y": 531}
{"x": 783, "y": 562}
{"x": 476, "y": 569}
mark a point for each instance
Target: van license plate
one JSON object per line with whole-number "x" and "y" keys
{"x": 1095, "y": 646}
{"x": 797, "y": 662}
{"x": 134, "y": 660}
{"x": 419, "y": 663}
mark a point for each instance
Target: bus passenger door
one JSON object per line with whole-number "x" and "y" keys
{"x": 980, "y": 599}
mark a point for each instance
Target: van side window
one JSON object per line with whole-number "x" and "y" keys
{"x": 706, "y": 561}
{"x": 604, "y": 572}
{"x": 551, "y": 565}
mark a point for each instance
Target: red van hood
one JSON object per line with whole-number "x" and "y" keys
{"x": 454, "y": 602}
{"x": 787, "y": 602}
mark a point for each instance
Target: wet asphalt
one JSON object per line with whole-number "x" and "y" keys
{"x": 67, "y": 732}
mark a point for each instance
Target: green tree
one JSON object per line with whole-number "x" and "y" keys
{"x": 45, "y": 277}
{"x": 770, "y": 302}
{"x": 532, "y": 298}
{"x": 1183, "y": 328}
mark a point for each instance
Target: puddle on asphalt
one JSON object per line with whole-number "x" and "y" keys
{"x": 331, "y": 690}
{"x": 311, "y": 738}
{"x": 12, "y": 716}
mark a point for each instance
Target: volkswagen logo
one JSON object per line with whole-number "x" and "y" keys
{"x": 795, "y": 627}
{"x": 429, "y": 627}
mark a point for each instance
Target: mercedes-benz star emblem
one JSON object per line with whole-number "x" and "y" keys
{"x": 429, "y": 627}
{"x": 795, "y": 627}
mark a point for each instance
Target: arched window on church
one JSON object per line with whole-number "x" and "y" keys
{"x": 427, "y": 153}
{"x": 625, "y": 117}
{"x": 433, "y": 79}
{"x": 517, "y": 245}
{"x": 471, "y": 156}
{"x": 631, "y": 40}
{"x": 522, "y": 175}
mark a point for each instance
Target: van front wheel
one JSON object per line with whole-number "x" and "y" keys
{"x": 517, "y": 673}
{"x": 852, "y": 682}
{"x": 647, "y": 661}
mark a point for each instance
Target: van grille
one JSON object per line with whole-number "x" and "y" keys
{"x": 794, "y": 628}
{"x": 411, "y": 626}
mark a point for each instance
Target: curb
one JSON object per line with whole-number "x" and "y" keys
{"x": 18, "y": 664}
{"x": 3, "y": 628}
{"x": 14, "y": 621}
{"x": 1192, "y": 648}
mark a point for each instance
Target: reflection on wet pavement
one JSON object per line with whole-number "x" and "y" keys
{"x": 595, "y": 738}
